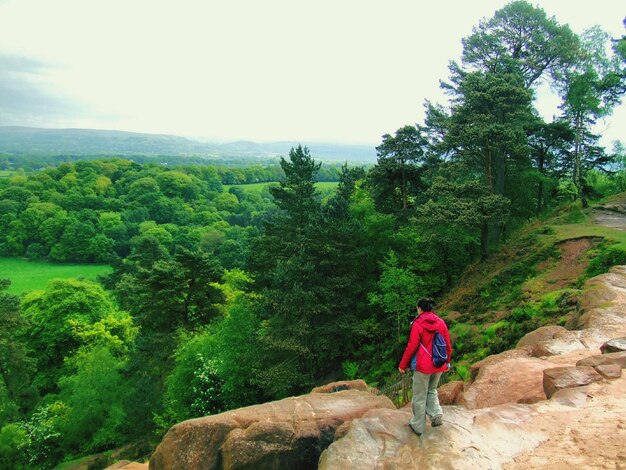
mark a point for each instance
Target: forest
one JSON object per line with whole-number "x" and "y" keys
{"x": 221, "y": 298}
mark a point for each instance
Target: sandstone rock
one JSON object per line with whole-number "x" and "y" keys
{"x": 603, "y": 303}
{"x": 609, "y": 371}
{"x": 575, "y": 397}
{"x": 614, "y": 345}
{"x": 448, "y": 393}
{"x": 559, "y": 378}
{"x": 513, "y": 380}
{"x": 127, "y": 465}
{"x": 289, "y": 433}
{"x": 557, "y": 346}
{"x": 610, "y": 358}
{"x": 382, "y": 440}
{"x": 542, "y": 334}
{"x": 343, "y": 385}
{"x": 496, "y": 358}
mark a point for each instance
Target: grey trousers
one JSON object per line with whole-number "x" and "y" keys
{"x": 425, "y": 399}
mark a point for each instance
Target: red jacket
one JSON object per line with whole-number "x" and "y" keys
{"x": 423, "y": 330}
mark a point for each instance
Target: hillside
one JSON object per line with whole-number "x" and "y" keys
{"x": 538, "y": 405}
{"x": 534, "y": 279}
{"x": 28, "y": 140}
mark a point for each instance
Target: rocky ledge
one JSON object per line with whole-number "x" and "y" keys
{"x": 550, "y": 403}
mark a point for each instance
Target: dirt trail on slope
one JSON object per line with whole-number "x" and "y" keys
{"x": 611, "y": 214}
{"x": 573, "y": 262}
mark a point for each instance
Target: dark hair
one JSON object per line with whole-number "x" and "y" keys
{"x": 426, "y": 304}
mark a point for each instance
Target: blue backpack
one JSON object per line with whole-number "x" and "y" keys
{"x": 440, "y": 350}
{"x": 439, "y": 353}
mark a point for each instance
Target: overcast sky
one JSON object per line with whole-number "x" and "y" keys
{"x": 322, "y": 70}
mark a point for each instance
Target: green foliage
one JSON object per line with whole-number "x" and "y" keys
{"x": 463, "y": 371}
{"x": 16, "y": 367}
{"x": 397, "y": 291}
{"x": 607, "y": 257}
{"x": 239, "y": 346}
{"x": 55, "y": 315}
{"x": 13, "y": 440}
{"x": 172, "y": 293}
{"x": 192, "y": 380}
{"x": 207, "y": 389}
{"x": 42, "y": 448}
{"x": 93, "y": 395}
{"x": 350, "y": 369}
{"x": 395, "y": 177}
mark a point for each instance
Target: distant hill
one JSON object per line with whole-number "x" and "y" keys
{"x": 28, "y": 140}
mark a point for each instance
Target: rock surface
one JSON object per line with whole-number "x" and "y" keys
{"x": 343, "y": 385}
{"x": 289, "y": 433}
{"x": 558, "y": 378}
{"x": 614, "y": 345}
{"x": 507, "y": 422}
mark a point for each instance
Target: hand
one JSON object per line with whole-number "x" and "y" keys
{"x": 401, "y": 370}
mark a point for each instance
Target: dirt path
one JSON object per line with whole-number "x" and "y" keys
{"x": 611, "y": 214}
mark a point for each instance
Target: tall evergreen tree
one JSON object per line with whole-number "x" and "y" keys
{"x": 591, "y": 89}
{"x": 523, "y": 35}
{"x": 284, "y": 269}
{"x": 487, "y": 131}
{"x": 395, "y": 178}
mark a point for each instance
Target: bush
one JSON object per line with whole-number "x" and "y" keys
{"x": 605, "y": 260}
{"x": 13, "y": 438}
{"x": 350, "y": 369}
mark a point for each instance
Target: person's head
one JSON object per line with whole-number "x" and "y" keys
{"x": 425, "y": 304}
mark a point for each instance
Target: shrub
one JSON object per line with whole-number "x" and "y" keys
{"x": 13, "y": 438}
{"x": 350, "y": 369}
{"x": 605, "y": 260}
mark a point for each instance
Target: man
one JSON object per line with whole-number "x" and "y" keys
{"x": 426, "y": 375}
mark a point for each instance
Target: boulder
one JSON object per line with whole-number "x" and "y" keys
{"x": 497, "y": 358}
{"x": 573, "y": 397}
{"x": 343, "y": 385}
{"x": 557, "y": 346}
{"x": 558, "y": 378}
{"x": 609, "y": 371}
{"x": 127, "y": 465}
{"x": 542, "y": 334}
{"x": 614, "y": 345}
{"x": 603, "y": 303}
{"x": 289, "y": 433}
{"x": 618, "y": 358}
{"x": 509, "y": 380}
{"x": 449, "y": 393}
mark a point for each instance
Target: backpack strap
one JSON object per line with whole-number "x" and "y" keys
{"x": 424, "y": 348}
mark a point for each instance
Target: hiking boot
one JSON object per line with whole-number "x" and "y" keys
{"x": 436, "y": 421}
{"x": 413, "y": 429}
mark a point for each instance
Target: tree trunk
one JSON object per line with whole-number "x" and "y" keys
{"x": 541, "y": 167}
{"x": 500, "y": 174}
{"x": 484, "y": 240}
{"x": 577, "y": 162}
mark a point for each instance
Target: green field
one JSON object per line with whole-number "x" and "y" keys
{"x": 6, "y": 173}
{"x": 322, "y": 186}
{"x": 29, "y": 275}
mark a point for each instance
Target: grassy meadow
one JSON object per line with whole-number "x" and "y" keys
{"x": 29, "y": 275}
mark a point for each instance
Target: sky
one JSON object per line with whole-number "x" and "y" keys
{"x": 343, "y": 71}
